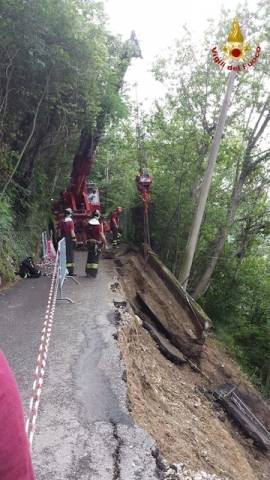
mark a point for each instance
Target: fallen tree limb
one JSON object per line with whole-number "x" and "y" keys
{"x": 172, "y": 316}
{"x": 230, "y": 398}
{"x": 165, "y": 346}
{"x": 200, "y": 319}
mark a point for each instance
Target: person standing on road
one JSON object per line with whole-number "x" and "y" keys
{"x": 67, "y": 232}
{"x": 15, "y": 459}
{"x": 95, "y": 240}
{"x": 114, "y": 225}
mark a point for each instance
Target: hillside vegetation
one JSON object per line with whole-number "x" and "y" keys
{"x": 59, "y": 69}
{"x": 59, "y": 74}
{"x": 230, "y": 275}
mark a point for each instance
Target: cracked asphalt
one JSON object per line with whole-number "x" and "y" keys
{"x": 84, "y": 429}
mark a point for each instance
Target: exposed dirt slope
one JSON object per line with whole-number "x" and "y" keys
{"x": 169, "y": 401}
{"x": 144, "y": 286}
{"x": 166, "y": 401}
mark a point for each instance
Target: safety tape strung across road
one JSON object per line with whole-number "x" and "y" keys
{"x": 43, "y": 354}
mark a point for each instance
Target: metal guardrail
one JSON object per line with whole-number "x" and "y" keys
{"x": 49, "y": 255}
{"x": 62, "y": 261}
{"x": 63, "y": 271}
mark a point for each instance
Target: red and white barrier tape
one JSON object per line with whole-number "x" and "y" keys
{"x": 42, "y": 355}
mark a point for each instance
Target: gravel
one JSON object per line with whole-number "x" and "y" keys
{"x": 181, "y": 472}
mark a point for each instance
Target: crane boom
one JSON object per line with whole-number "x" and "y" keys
{"x": 82, "y": 195}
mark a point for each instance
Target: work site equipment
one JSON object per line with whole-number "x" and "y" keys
{"x": 82, "y": 196}
{"x": 28, "y": 269}
{"x": 144, "y": 183}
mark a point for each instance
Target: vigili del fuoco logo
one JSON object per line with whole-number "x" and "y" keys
{"x": 236, "y": 52}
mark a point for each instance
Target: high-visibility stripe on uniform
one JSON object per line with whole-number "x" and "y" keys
{"x": 92, "y": 265}
{"x": 69, "y": 265}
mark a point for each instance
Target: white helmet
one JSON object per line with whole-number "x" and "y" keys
{"x": 68, "y": 211}
{"x": 93, "y": 221}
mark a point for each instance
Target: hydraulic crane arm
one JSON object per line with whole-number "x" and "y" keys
{"x": 83, "y": 163}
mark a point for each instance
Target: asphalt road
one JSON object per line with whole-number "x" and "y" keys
{"x": 84, "y": 430}
{"x": 22, "y": 309}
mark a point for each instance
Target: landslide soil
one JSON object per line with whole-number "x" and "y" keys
{"x": 169, "y": 402}
{"x": 166, "y": 400}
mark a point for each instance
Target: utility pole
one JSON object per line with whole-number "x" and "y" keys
{"x": 205, "y": 187}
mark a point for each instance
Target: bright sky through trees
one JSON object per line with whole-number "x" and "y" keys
{"x": 157, "y": 24}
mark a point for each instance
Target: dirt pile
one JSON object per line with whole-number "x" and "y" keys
{"x": 169, "y": 401}
{"x": 163, "y": 303}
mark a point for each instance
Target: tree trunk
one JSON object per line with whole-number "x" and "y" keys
{"x": 267, "y": 380}
{"x": 28, "y": 139}
{"x": 219, "y": 242}
{"x": 247, "y": 167}
{"x": 32, "y": 155}
{"x": 212, "y": 156}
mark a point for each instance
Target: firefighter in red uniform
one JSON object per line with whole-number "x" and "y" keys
{"x": 67, "y": 232}
{"x": 114, "y": 225}
{"x": 95, "y": 240}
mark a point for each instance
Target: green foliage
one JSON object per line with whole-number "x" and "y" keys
{"x": 7, "y": 243}
{"x": 117, "y": 167}
{"x": 173, "y": 143}
{"x": 238, "y": 300}
{"x": 60, "y": 74}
